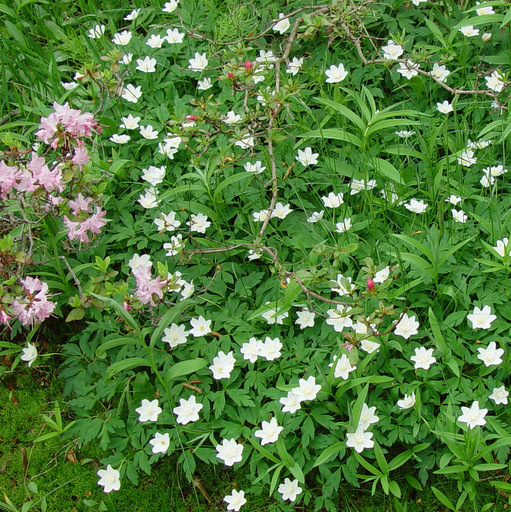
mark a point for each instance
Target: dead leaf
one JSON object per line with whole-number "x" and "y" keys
{"x": 71, "y": 457}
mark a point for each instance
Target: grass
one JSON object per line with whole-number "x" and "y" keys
{"x": 65, "y": 475}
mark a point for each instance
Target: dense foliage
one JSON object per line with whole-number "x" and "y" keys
{"x": 272, "y": 231}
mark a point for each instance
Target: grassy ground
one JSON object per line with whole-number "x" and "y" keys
{"x": 65, "y": 475}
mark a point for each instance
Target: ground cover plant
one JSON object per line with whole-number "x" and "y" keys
{"x": 270, "y": 230}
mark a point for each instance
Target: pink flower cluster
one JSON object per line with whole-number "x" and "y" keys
{"x": 79, "y": 229}
{"x": 65, "y": 123}
{"x": 36, "y": 174}
{"x": 146, "y": 286}
{"x": 35, "y": 306}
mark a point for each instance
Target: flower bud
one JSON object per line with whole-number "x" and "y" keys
{"x": 248, "y": 65}
{"x": 191, "y": 118}
{"x": 486, "y": 36}
{"x": 370, "y": 284}
{"x": 230, "y": 75}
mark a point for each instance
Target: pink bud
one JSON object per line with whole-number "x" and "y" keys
{"x": 230, "y": 75}
{"x": 370, "y": 284}
{"x": 191, "y": 118}
{"x": 126, "y": 306}
{"x": 248, "y": 65}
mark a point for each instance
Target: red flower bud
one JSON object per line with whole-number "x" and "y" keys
{"x": 191, "y": 118}
{"x": 230, "y": 75}
{"x": 248, "y": 65}
{"x": 370, "y": 284}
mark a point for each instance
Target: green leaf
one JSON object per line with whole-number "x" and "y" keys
{"x": 437, "y": 333}
{"x": 120, "y": 310}
{"x": 184, "y": 368}
{"x": 229, "y": 181}
{"x": 386, "y": 169}
{"x": 418, "y": 245}
{"x": 380, "y": 458}
{"x": 443, "y": 498}
{"x": 345, "y": 112}
{"x": 127, "y": 364}
{"x": 326, "y": 454}
{"x": 167, "y": 318}
{"x": 334, "y": 134}
{"x": 117, "y": 342}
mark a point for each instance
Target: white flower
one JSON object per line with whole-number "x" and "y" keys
{"x": 223, "y": 365}
{"x": 495, "y": 82}
{"x": 392, "y": 51}
{"x": 199, "y": 223}
{"x": 484, "y": 10}
{"x": 273, "y": 316}
{"x": 146, "y": 65}
{"x": 97, "y": 31}
{"x": 408, "y": 69}
{"x": 199, "y": 62}
{"x": 160, "y": 443}
{"x": 261, "y": 216}
{"x": 131, "y": 93}
{"x": 266, "y": 57}
{"x": 453, "y": 199}
{"x": 382, "y": 275}
{"x": 69, "y": 86}
{"x": 423, "y": 358}
{"x": 473, "y": 416}
{"x": 469, "y": 31}
{"x": 155, "y": 41}
{"x": 490, "y": 356}
{"x": 360, "y": 440}
{"x": 343, "y": 226}
{"x": 332, "y": 200}
{"x": 229, "y": 451}
{"x": 148, "y": 132}
{"x": 499, "y": 395}
{"x": 109, "y": 478}
{"x": 307, "y": 389}
{"x": 289, "y": 489}
{"x": 174, "y": 36}
{"x": 486, "y": 37}
{"x": 343, "y": 286}
{"x": 129, "y": 122}
{"x": 188, "y": 289}
{"x": 187, "y": 411}
{"x": 407, "y": 402}
{"x": 231, "y": 118}
{"x": 175, "y": 335}
{"x": 444, "y": 107}
{"x": 369, "y": 346}
{"x": 204, "y": 84}
{"x": 338, "y": 318}
{"x": 254, "y": 254}
{"x": 440, "y": 72}
{"x": 294, "y": 66}
{"x": 487, "y": 181}
{"x": 404, "y": 134}
{"x": 459, "y": 216}
{"x": 167, "y": 222}
{"x": 170, "y": 6}
{"x": 359, "y": 185}
{"x": 271, "y": 348}
{"x": 173, "y": 142}
{"x": 251, "y": 350}
{"x": 138, "y": 262}
{"x": 281, "y": 211}
{"x": 200, "y": 326}
{"x": 367, "y": 417}
{"x": 282, "y": 25}
{"x": 175, "y": 245}
{"x": 467, "y": 158}
{"x": 503, "y": 247}
{"x": 148, "y": 411}
{"x": 269, "y": 432}
{"x": 122, "y": 38}
{"x": 418, "y": 2}
{"x": 495, "y": 171}
{"x": 133, "y": 15}
{"x": 307, "y": 157}
{"x": 235, "y": 500}
{"x": 291, "y": 403}
{"x": 120, "y": 139}
{"x": 342, "y": 367}
{"x": 29, "y": 354}
{"x": 416, "y": 206}
{"x": 127, "y": 58}
{"x": 255, "y": 168}
{"x": 149, "y": 199}
{"x": 481, "y": 318}
{"x": 315, "y": 216}
{"x": 336, "y": 74}
{"x": 305, "y": 318}
{"x": 407, "y": 326}
{"x": 247, "y": 141}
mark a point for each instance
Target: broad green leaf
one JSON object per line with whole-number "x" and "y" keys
{"x": 443, "y": 498}
{"x": 334, "y": 134}
{"x": 437, "y": 333}
{"x": 120, "y": 310}
{"x": 167, "y": 318}
{"x": 229, "y": 181}
{"x": 127, "y": 364}
{"x": 327, "y": 453}
{"x": 344, "y": 111}
{"x": 184, "y": 368}
{"x": 418, "y": 245}
{"x": 386, "y": 169}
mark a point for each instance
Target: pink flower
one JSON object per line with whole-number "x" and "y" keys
{"x": 35, "y": 305}
{"x": 80, "y": 204}
{"x": 80, "y": 157}
{"x": 7, "y": 178}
